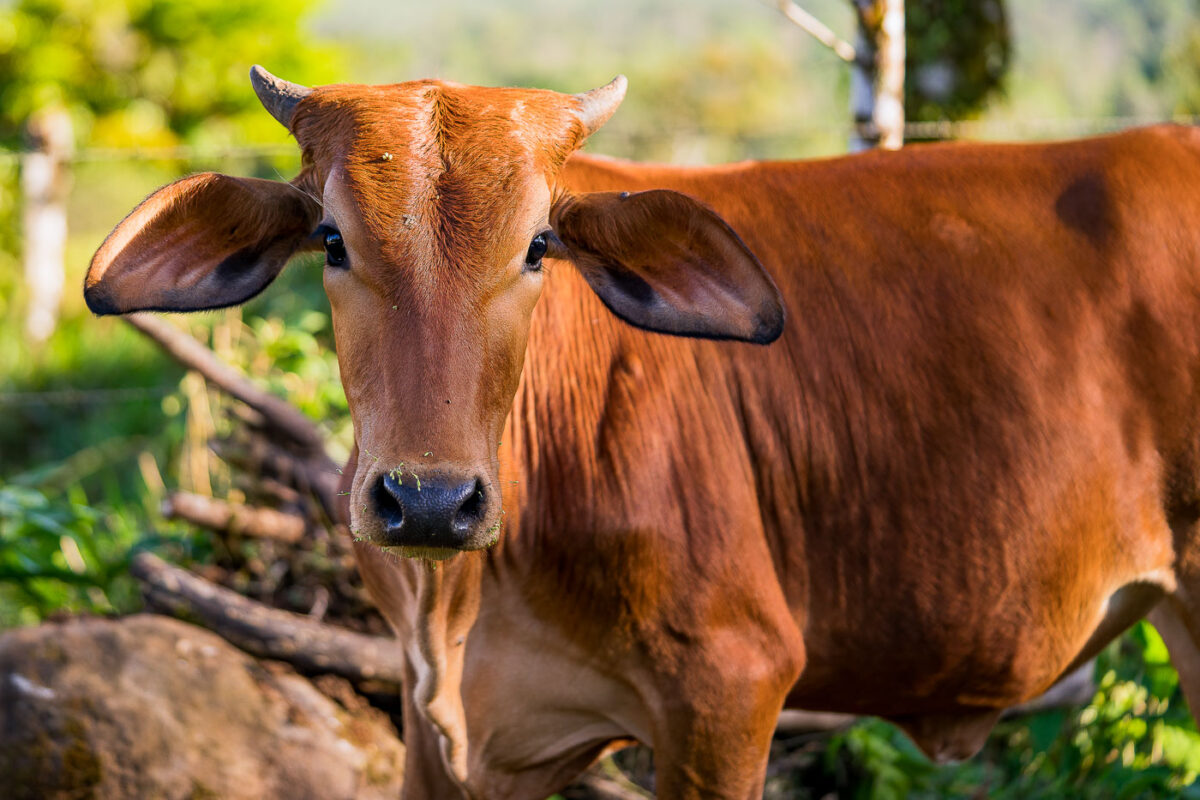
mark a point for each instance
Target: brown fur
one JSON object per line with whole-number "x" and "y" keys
{"x": 923, "y": 501}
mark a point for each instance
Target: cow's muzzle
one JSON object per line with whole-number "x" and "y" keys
{"x": 430, "y": 511}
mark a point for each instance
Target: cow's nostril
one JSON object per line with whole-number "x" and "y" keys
{"x": 472, "y": 508}
{"x": 387, "y": 495}
{"x": 431, "y": 511}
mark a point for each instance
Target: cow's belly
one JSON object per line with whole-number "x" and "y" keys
{"x": 950, "y": 715}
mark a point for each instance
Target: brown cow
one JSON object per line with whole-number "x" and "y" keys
{"x": 969, "y": 461}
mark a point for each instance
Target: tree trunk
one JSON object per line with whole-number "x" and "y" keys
{"x": 45, "y": 183}
{"x": 889, "y": 98}
{"x": 877, "y": 76}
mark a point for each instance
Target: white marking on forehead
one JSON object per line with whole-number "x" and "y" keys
{"x": 334, "y": 192}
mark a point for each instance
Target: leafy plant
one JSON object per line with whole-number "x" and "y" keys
{"x": 61, "y": 556}
{"x": 1134, "y": 739}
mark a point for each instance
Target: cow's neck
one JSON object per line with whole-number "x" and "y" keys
{"x": 431, "y": 607}
{"x": 436, "y": 650}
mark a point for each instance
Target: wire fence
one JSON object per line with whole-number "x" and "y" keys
{"x": 174, "y": 153}
{"x": 989, "y": 129}
{"x": 985, "y": 129}
{"x": 86, "y": 397}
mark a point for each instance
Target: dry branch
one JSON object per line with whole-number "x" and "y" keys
{"x": 234, "y": 518}
{"x": 258, "y": 456}
{"x": 792, "y": 721}
{"x": 303, "y": 450}
{"x": 818, "y": 30}
{"x": 277, "y": 413}
{"x": 1075, "y": 689}
{"x": 311, "y": 647}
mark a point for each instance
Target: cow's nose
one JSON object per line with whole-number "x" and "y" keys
{"x": 428, "y": 511}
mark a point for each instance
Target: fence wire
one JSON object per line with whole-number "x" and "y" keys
{"x": 1017, "y": 129}
{"x": 83, "y": 397}
{"x": 989, "y": 129}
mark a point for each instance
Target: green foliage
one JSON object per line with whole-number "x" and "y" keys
{"x": 1134, "y": 739}
{"x": 150, "y": 72}
{"x": 61, "y": 556}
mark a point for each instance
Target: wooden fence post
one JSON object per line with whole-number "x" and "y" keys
{"x": 45, "y": 184}
{"x": 877, "y": 76}
{"x": 888, "y": 113}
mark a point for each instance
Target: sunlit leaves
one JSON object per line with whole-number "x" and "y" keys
{"x": 149, "y": 72}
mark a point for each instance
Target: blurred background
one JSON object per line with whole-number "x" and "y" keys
{"x": 102, "y": 101}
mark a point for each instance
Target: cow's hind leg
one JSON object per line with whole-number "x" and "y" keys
{"x": 1177, "y": 619}
{"x": 1177, "y": 616}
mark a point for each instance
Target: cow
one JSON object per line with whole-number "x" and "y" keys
{"x": 606, "y": 490}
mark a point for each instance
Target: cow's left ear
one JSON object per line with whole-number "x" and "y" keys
{"x": 206, "y": 241}
{"x": 665, "y": 262}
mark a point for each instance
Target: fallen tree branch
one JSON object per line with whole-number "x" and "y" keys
{"x": 311, "y": 647}
{"x": 254, "y": 454}
{"x": 233, "y": 518}
{"x": 1074, "y": 689}
{"x": 277, "y": 413}
{"x": 793, "y": 721}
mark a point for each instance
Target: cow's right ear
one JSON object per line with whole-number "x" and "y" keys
{"x": 206, "y": 241}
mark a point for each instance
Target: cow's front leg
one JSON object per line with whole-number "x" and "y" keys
{"x": 716, "y": 722}
{"x": 707, "y": 758}
{"x": 425, "y": 771}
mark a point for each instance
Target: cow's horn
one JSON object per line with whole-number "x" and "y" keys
{"x": 277, "y": 95}
{"x": 596, "y": 106}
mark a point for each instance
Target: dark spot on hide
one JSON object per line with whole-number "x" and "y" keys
{"x": 1086, "y": 207}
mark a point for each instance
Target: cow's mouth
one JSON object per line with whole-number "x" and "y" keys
{"x": 423, "y": 553}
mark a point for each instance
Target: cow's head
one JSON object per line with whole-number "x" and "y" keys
{"x": 435, "y": 204}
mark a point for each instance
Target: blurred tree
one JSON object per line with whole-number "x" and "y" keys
{"x": 151, "y": 72}
{"x": 958, "y": 54}
{"x": 955, "y": 55}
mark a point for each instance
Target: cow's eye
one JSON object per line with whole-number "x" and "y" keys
{"x": 335, "y": 248}
{"x": 537, "y": 249}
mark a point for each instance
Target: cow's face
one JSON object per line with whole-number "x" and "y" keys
{"x": 435, "y": 204}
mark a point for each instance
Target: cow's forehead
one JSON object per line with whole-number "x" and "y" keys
{"x": 451, "y": 160}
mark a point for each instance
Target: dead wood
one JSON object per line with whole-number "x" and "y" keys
{"x": 258, "y": 456}
{"x": 1075, "y": 689}
{"x": 312, "y": 647}
{"x": 234, "y": 518}
{"x": 277, "y": 414}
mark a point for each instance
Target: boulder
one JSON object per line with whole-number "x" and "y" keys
{"x": 150, "y": 707}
